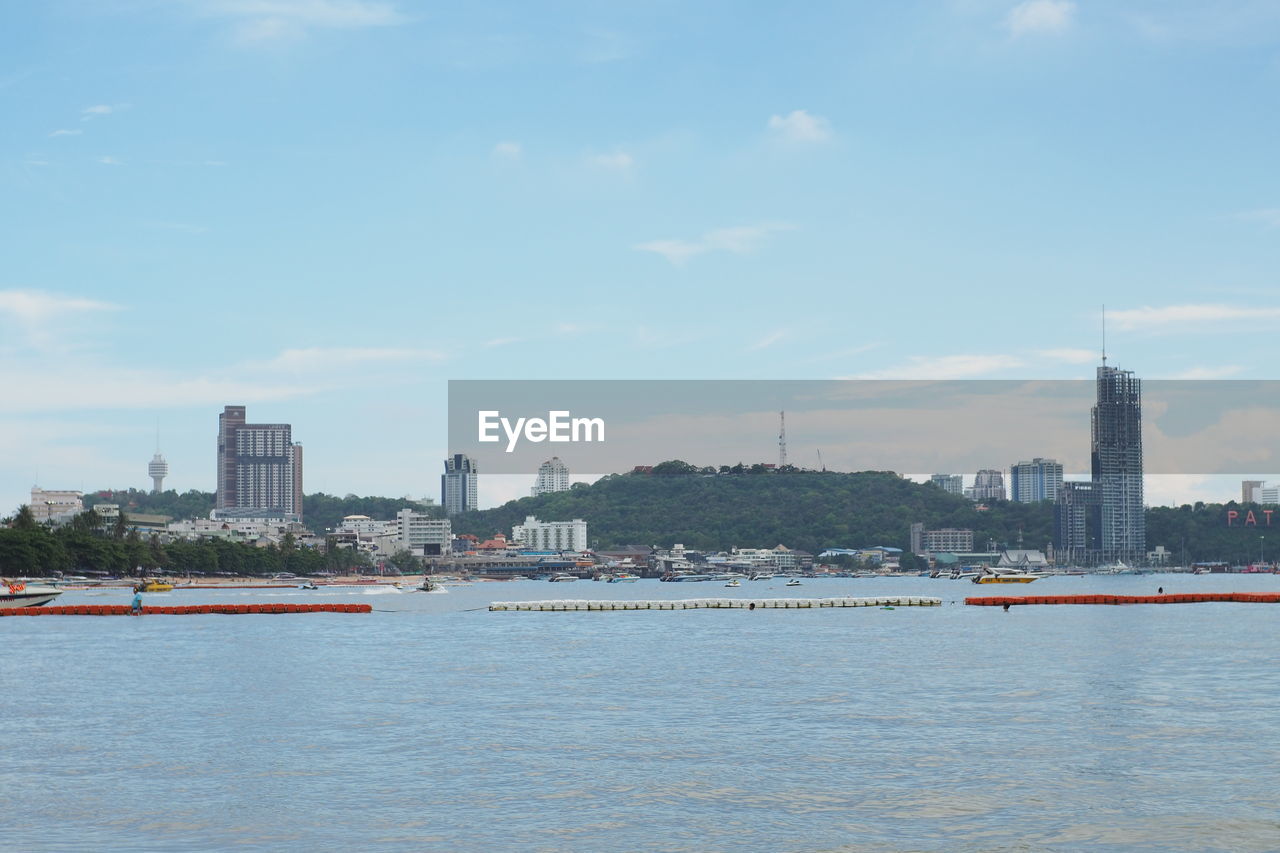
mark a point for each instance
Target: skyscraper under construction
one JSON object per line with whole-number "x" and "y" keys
{"x": 1117, "y": 465}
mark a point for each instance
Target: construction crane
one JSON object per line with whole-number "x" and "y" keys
{"x": 820, "y": 463}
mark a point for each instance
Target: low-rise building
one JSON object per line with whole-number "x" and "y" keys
{"x": 56, "y": 505}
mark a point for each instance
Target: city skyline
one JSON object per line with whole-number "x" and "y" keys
{"x": 180, "y": 168}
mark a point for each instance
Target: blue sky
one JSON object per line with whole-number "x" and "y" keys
{"x": 325, "y": 209}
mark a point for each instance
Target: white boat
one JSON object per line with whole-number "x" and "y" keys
{"x": 624, "y": 577}
{"x": 733, "y": 582}
{"x": 762, "y": 576}
{"x": 996, "y": 574}
{"x": 562, "y": 578}
{"x": 23, "y": 594}
{"x": 793, "y": 582}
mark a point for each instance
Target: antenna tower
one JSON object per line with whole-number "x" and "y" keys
{"x": 782, "y": 439}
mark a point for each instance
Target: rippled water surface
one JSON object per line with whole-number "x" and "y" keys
{"x": 428, "y": 725}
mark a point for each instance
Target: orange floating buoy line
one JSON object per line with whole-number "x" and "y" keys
{"x": 188, "y": 610}
{"x": 1183, "y": 598}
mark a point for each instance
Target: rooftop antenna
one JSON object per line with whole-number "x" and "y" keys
{"x": 782, "y": 439}
{"x": 1104, "y": 334}
{"x": 821, "y": 464}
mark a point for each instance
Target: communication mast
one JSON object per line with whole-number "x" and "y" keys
{"x": 782, "y": 439}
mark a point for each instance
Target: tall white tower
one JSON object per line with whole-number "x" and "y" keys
{"x": 157, "y": 471}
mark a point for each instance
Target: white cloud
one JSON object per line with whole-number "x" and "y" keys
{"x": 769, "y": 340}
{"x": 32, "y": 307}
{"x": 1040, "y": 16}
{"x": 800, "y": 126}
{"x": 500, "y": 342}
{"x": 260, "y": 21}
{"x": 64, "y": 132}
{"x": 110, "y": 161}
{"x": 947, "y": 367}
{"x": 737, "y": 240}
{"x": 95, "y": 111}
{"x": 508, "y": 151}
{"x": 1224, "y": 372}
{"x": 618, "y": 161}
{"x": 1069, "y": 356}
{"x": 312, "y": 359}
{"x": 1186, "y": 316}
{"x": 1269, "y": 216}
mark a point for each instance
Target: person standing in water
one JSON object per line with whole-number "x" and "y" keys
{"x": 136, "y": 607}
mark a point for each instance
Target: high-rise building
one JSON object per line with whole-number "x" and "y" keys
{"x": 157, "y": 470}
{"x": 259, "y": 468}
{"x": 1077, "y": 520}
{"x": 988, "y": 485}
{"x": 458, "y": 484}
{"x": 1117, "y": 464}
{"x": 1249, "y": 491}
{"x": 951, "y": 483}
{"x": 1035, "y": 481}
{"x": 553, "y": 476}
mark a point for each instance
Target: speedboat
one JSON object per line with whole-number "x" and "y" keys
{"x": 761, "y": 576}
{"x": 624, "y": 577}
{"x": 733, "y": 582}
{"x": 23, "y": 594}
{"x": 999, "y": 575}
{"x": 563, "y": 578}
{"x": 153, "y": 586}
{"x": 309, "y": 585}
{"x": 793, "y": 582}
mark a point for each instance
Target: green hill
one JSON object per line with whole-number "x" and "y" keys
{"x": 800, "y": 509}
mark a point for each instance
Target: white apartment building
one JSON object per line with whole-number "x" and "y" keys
{"x": 948, "y": 539}
{"x": 422, "y": 535}
{"x": 551, "y": 535}
{"x": 55, "y": 505}
{"x": 553, "y": 476}
{"x": 364, "y": 526}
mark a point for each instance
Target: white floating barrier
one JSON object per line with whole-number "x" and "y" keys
{"x": 710, "y": 603}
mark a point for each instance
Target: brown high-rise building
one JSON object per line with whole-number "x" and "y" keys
{"x": 259, "y": 468}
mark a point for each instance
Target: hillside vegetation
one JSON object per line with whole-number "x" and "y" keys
{"x": 808, "y": 510}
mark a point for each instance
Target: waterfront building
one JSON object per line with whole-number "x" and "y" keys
{"x": 458, "y": 490}
{"x": 1267, "y": 495}
{"x": 551, "y": 535}
{"x": 1035, "y": 481}
{"x": 423, "y": 535}
{"x": 553, "y": 476}
{"x": 1076, "y": 523}
{"x": 259, "y": 469}
{"x": 988, "y": 485}
{"x": 1117, "y": 464}
{"x": 57, "y": 505}
{"x": 950, "y": 483}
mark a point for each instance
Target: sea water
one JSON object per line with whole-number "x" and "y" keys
{"x": 432, "y": 724}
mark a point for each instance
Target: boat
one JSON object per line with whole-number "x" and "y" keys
{"x": 761, "y": 576}
{"x": 153, "y": 586}
{"x": 733, "y": 582}
{"x": 22, "y": 594}
{"x": 793, "y": 582}
{"x": 562, "y": 578}
{"x": 624, "y": 577}
{"x": 309, "y": 585}
{"x": 999, "y": 575}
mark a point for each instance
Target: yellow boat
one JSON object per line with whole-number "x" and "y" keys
{"x": 154, "y": 586}
{"x": 1006, "y": 578}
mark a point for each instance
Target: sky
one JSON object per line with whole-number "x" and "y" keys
{"x": 326, "y": 209}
